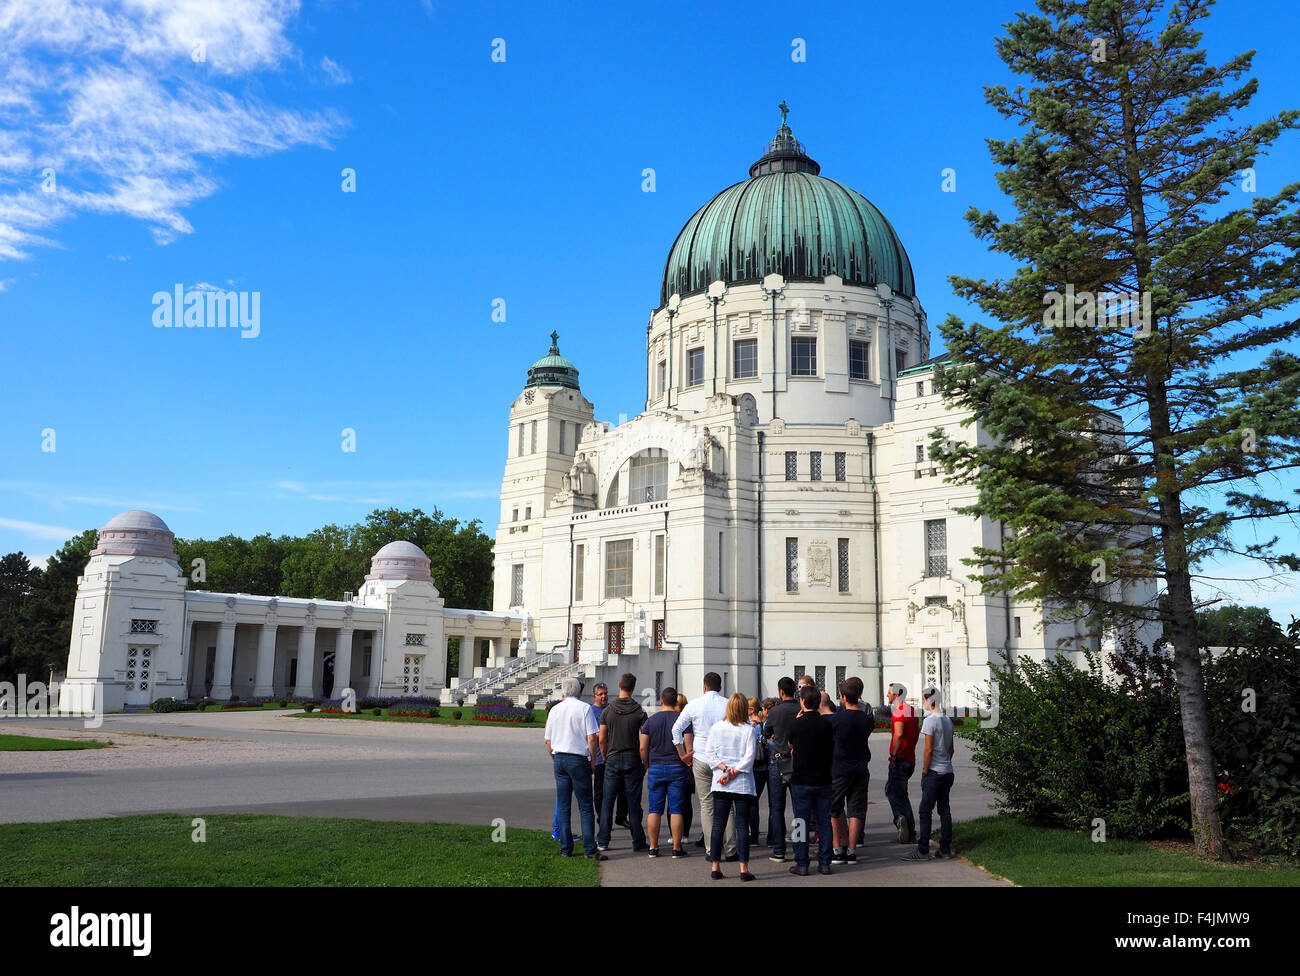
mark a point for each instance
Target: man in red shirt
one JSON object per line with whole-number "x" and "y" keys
{"x": 902, "y": 762}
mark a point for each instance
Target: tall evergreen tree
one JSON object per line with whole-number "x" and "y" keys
{"x": 1136, "y": 378}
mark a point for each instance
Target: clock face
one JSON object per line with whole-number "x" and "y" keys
{"x": 528, "y": 396}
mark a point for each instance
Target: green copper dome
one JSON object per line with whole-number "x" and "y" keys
{"x": 553, "y": 369}
{"x": 786, "y": 218}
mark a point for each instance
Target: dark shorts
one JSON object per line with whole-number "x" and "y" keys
{"x": 850, "y": 791}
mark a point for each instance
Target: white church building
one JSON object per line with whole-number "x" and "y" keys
{"x": 771, "y": 512}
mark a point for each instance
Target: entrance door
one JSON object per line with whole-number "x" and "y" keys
{"x": 139, "y": 674}
{"x": 327, "y": 674}
{"x": 936, "y": 671}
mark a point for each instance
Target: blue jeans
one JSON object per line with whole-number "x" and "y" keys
{"x": 573, "y": 778}
{"x": 812, "y": 805}
{"x": 760, "y": 782}
{"x": 723, "y": 804}
{"x": 668, "y": 786}
{"x": 900, "y": 804}
{"x": 623, "y": 776}
{"x": 775, "y": 810}
{"x": 935, "y": 788}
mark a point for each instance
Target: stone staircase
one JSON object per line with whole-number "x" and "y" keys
{"x": 536, "y": 677}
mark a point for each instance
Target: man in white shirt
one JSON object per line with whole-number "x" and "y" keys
{"x": 691, "y": 737}
{"x": 571, "y": 733}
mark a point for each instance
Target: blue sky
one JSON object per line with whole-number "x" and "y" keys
{"x": 221, "y": 162}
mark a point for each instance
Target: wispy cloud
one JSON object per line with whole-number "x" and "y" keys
{"x": 336, "y": 73}
{"x": 38, "y": 530}
{"x": 125, "y": 504}
{"x": 120, "y": 108}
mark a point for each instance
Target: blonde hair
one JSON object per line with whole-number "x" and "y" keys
{"x": 755, "y": 705}
{"x": 738, "y": 709}
{"x": 681, "y": 702}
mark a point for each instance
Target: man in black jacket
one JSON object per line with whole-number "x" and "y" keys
{"x": 777, "y": 728}
{"x": 812, "y": 744}
{"x": 620, "y": 741}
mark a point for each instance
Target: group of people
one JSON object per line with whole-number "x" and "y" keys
{"x": 726, "y": 751}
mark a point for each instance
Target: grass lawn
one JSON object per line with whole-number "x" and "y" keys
{"x": 36, "y": 743}
{"x": 265, "y": 850}
{"x": 467, "y": 713}
{"x": 1031, "y": 855}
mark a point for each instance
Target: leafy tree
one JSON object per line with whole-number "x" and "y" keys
{"x": 1129, "y": 438}
{"x": 16, "y": 576}
{"x": 1234, "y": 626}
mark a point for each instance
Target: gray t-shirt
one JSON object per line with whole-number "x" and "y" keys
{"x": 940, "y": 727}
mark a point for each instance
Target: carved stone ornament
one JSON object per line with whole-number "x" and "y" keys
{"x": 819, "y": 564}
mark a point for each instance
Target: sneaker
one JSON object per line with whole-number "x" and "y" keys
{"x": 555, "y": 835}
{"x": 777, "y": 858}
{"x": 946, "y": 855}
{"x": 597, "y": 857}
{"x": 904, "y": 833}
{"x": 679, "y": 852}
{"x": 850, "y": 858}
{"x": 915, "y": 856}
{"x": 602, "y": 849}
{"x": 652, "y": 852}
{"x": 838, "y": 857}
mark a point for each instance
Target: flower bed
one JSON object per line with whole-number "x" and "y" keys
{"x": 495, "y": 708}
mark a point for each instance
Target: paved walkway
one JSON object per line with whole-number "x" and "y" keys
{"x": 273, "y": 763}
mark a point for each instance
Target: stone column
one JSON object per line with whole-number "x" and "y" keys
{"x": 342, "y": 660}
{"x": 264, "y": 685}
{"x": 467, "y": 654}
{"x": 306, "y": 686}
{"x": 225, "y": 661}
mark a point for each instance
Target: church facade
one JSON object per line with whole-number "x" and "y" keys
{"x": 773, "y": 510}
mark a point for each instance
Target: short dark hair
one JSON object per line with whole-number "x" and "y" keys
{"x": 932, "y": 695}
{"x": 627, "y": 683}
{"x": 712, "y": 681}
{"x": 851, "y": 690}
{"x": 669, "y": 697}
{"x": 786, "y": 686}
{"x": 599, "y": 686}
{"x": 811, "y": 698}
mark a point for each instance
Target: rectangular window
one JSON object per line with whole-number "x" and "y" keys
{"x": 528, "y": 512}
{"x": 614, "y": 638}
{"x": 514, "y": 515}
{"x": 819, "y": 676}
{"x": 618, "y": 569}
{"x": 792, "y": 565}
{"x": 920, "y": 389}
{"x": 695, "y": 366}
{"x": 900, "y": 361}
{"x": 744, "y": 360}
{"x": 648, "y": 476}
{"x": 533, "y": 450}
{"x": 719, "y": 562}
{"x": 843, "y": 566}
{"x": 791, "y": 466}
{"x": 1017, "y": 620}
{"x": 144, "y": 626}
{"x": 936, "y": 601}
{"x": 659, "y": 632}
{"x": 815, "y": 465}
{"x": 561, "y": 436}
{"x": 841, "y": 672}
{"x": 415, "y": 640}
{"x": 920, "y": 452}
{"x": 841, "y": 466}
{"x": 659, "y": 684}
{"x": 517, "y": 585}
{"x": 366, "y": 654}
{"x": 798, "y": 672}
{"x": 659, "y": 565}
{"x": 859, "y": 360}
{"x": 936, "y": 547}
{"x": 579, "y": 574}
{"x": 520, "y": 451}
{"x": 661, "y": 375}
{"x": 577, "y": 640}
{"x": 803, "y": 356}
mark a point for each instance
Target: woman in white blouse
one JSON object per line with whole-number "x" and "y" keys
{"x": 730, "y": 754}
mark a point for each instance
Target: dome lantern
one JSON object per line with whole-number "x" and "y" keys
{"x": 553, "y": 369}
